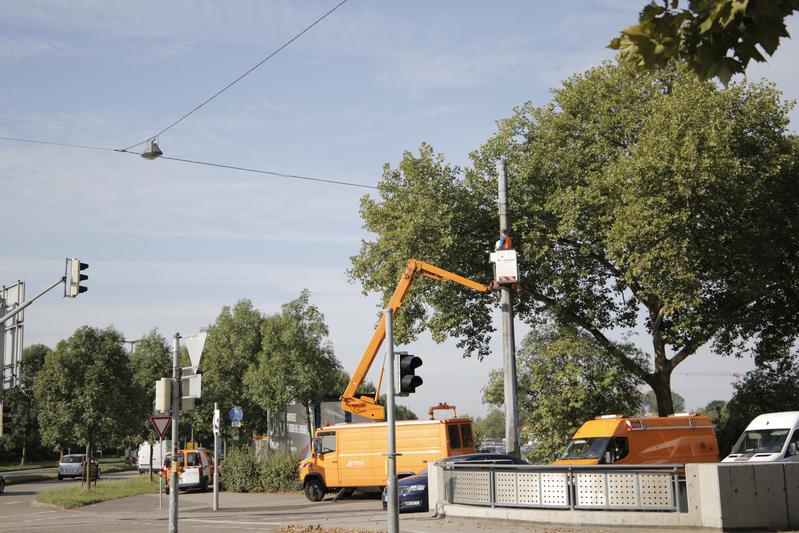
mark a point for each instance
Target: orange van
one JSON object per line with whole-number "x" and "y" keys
{"x": 353, "y": 455}
{"x": 615, "y": 439}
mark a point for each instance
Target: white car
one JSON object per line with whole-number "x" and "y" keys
{"x": 72, "y": 466}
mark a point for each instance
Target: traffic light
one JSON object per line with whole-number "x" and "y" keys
{"x": 74, "y": 277}
{"x": 163, "y": 395}
{"x": 407, "y": 380}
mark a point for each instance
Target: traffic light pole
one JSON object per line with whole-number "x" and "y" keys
{"x": 173, "y": 471}
{"x": 508, "y": 341}
{"x": 392, "y": 492}
{"x": 22, "y": 306}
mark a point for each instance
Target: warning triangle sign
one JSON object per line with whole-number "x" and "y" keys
{"x": 161, "y": 423}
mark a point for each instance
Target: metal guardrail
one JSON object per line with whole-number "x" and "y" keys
{"x": 605, "y": 487}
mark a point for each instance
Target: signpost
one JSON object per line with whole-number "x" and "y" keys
{"x": 236, "y": 415}
{"x": 161, "y": 424}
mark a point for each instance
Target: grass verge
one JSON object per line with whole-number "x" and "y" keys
{"x": 104, "y": 491}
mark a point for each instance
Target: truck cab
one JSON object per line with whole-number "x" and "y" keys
{"x": 769, "y": 437}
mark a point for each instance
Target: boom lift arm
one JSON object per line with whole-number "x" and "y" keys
{"x": 366, "y": 405}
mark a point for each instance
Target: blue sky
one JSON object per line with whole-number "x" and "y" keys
{"x": 169, "y": 244}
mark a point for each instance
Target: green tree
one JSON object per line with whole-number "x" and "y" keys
{"x": 233, "y": 344}
{"x": 23, "y": 431}
{"x": 649, "y": 403}
{"x": 772, "y": 387}
{"x": 651, "y": 201}
{"x": 297, "y": 360}
{"x": 84, "y": 391}
{"x": 714, "y": 37}
{"x": 716, "y": 410}
{"x": 564, "y": 379}
{"x": 491, "y": 426}
{"x": 150, "y": 361}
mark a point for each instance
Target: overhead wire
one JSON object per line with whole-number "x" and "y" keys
{"x": 197, "y": 162}
{"x": 67, "y": 145}
{"x": 235, "y": 81}
{"x": 270, "y": 172}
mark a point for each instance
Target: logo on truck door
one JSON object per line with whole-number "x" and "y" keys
{"x": 356, "y": 464}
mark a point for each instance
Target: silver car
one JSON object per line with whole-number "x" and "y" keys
{"x": 72, "y": 466}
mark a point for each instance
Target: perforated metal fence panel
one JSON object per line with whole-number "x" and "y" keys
{"x": 599, "y": 488}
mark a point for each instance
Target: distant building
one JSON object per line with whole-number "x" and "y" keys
{"x": 288, "y": 430}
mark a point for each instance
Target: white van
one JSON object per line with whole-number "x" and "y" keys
{"x": 769, "y": 437}
{"x": 158, "y": 455}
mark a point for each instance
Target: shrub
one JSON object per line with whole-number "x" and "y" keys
{"x": 239, "y": 473}
{"x": 243, "y": 472}
{"x": 279, "y": 471}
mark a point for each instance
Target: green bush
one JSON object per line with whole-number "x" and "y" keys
{"x": 243, "y": 472}
{"x": 239, "y": 472}
{"x": 279, "y": 471}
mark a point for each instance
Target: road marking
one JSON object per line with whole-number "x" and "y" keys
{"x": 232, "y": 522}
{"x": 9, "y": 503}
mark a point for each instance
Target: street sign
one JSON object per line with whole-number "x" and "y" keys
{"x": 216, "y": 422}
{"x": 161, "y": 423}
{"x": 235, "y": 424}
{"x": 236, "y": 414}
{"x": 194, "y": 345}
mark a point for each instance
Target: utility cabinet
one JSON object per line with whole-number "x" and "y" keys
{"x": 506, "y": 267}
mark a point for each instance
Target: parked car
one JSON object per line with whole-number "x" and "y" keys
{"x": 72, "y": 466}
{"x": 413, "y": 489}
{"x": 195, "y": 469}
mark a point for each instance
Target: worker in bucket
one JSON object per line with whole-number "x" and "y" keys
{"x": 504, "y": 242}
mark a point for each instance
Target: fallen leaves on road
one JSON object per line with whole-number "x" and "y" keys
{"x": 294, "y": 528}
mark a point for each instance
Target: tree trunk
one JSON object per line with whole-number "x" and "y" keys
{"x": 661, "y": 384}
{"x": 309, "y": 416}
{"x": 24, "y": 449}
{"x": 85, "y": 474}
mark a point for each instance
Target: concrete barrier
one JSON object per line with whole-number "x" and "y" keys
{"x": 724, "y": 496}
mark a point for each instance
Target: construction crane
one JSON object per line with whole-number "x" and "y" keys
{"x": 366, "y": 405}
{"x": 737, "y": 375}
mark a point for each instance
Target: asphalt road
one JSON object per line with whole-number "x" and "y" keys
{"x": 238, "y": 512}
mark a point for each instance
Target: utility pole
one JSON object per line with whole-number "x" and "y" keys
{"x": 393, "y": 493}
{"x": 173, "y": 472}
{"x": 508, "y": 341}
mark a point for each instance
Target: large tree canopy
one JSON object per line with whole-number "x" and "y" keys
{"x": 23, "y": 431}
{"x": 149, "y": 362}
{"x": 714, "y": 37}
{"x": 653, "y": 202}
{"x": 564, "y": 380}
{"x": 84, "y": 390}
{"x": 297, "y": 361}
{"x": 234, "y": 342}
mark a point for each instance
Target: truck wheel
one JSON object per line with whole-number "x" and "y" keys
{"x": 314, "y": 489}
